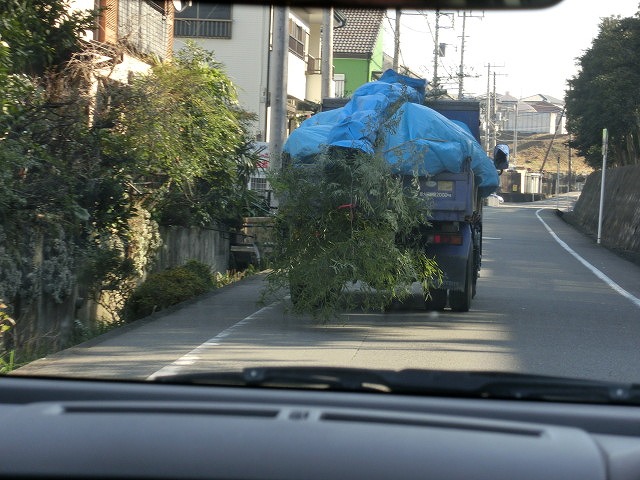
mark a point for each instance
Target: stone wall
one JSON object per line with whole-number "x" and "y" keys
{"x": 621, "y": 218}
{"x": 207, "y": 245}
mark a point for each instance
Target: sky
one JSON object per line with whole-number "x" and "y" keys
{"x": 533, "y": 51}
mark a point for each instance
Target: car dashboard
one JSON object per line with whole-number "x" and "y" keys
{"x": 92, "y": 429}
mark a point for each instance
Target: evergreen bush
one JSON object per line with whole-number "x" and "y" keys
{"x": 169, "y": 287}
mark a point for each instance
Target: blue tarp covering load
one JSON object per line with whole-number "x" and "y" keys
{"x": 386, "y": 117}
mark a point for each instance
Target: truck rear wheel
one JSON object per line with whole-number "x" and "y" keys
{"x": 461, "y": 301}
{"x": 436, "y": 299}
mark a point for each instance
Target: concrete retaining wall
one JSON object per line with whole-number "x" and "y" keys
{"x": 207, "y": 245}
{"x": 621, "y": 219}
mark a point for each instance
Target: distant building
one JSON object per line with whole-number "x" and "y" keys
{"x": 535, "y": 114}
{"x": 240, "y": 37}
{"x": 358, "y": 50}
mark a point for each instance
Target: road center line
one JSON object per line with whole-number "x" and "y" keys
{"x": 635, "y": 300}
{"x": 196, "y": 354}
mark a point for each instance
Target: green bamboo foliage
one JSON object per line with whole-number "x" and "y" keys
{"x": 343, "y": 219}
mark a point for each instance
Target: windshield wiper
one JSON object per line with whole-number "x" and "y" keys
{"x": 498, "y": 385}
{"x": 315, "y": 378}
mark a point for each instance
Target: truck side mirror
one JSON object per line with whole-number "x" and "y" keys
{"x": 501, "y": 157}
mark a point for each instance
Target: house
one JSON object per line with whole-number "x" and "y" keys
{"x": 549, "y": 113}
{"x": 234, "y": 32}
{"x": 129, "y": 36}
{"x": 132, "y": 32}
{"x": 358, "y": 55}
{"x": 535, "y": 114}
{"x": 239, "y": 35}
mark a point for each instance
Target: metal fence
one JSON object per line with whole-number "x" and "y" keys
{"x": 143, "y": 26}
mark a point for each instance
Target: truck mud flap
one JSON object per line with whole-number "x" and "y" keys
{"x": 452, "y": 261}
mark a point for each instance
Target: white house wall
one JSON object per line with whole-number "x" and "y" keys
{"x": 314, "y": 80}
{"x": 535, "y": 122}
{"x": 296, "y": 79}
{"x": 314, "y": 88}
{"x": 297, "y": 67}
{"x": 121, "y": 71}
{"x": 245, "y": 57}
{"x": 82, "y": 6}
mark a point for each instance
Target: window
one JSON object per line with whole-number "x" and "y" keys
{"x": 204, "y": 20}
{"x": 258, "y": 184}
{"x": 339, "y": 81}
{"x": 297, "y": 38}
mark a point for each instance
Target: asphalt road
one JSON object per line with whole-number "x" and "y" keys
{"x": 539, "y": 309}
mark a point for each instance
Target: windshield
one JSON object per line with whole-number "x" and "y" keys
{"x": 188, "y": 187}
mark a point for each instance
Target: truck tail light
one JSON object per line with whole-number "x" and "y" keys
{"x": 447, "y": 239}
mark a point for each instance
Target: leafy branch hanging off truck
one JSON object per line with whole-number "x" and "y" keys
{"x": 383, "y": 192}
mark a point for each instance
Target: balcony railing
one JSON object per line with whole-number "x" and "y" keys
{"x": 296, "y": 46}
{"x": 193, "y": 27}
{"x": 314, "y": 65}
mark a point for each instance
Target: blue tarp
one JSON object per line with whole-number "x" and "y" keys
{"x": 386, "y": 117}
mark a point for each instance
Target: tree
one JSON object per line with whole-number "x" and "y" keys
{"x": 42, "y": 34}
{"x": 47, "y": 153}
{"x": 605, "y": 94}
{"x": 181, "y": 135}
{"x": 76, "y": 191}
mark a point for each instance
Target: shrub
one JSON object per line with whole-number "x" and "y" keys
{"x": 170, "y": 287}
{"x": 200, "y": 269}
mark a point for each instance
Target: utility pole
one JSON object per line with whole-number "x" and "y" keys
{"x": 463, "y": 38}
{"x": 605, "y": 150}
{"x": 396, "y": 41}
{"x": 436, "y": 52}
{"x": 488, "y": 112}
{"x": 326, "y": 68}
{"x": 490, "y": 107}
{"x": 555, "y": 134}
{"x": 278, "y": 82}
{"x": 569, "y": 188}
{"x": 558, "y": 184}
{"x": 461, "y": 72}
{"x": 493, "y": 113}
{"x": 515, "y": 136}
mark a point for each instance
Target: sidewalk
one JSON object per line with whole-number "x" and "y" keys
{"x": 139, "y": 349}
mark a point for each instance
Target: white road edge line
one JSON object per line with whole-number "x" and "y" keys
{"x": 194, "y": 355}
{"x": 635, "y": 300}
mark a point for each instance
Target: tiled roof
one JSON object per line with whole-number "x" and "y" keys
{"x": 525, "y": 107}
{"x": 506, "y": 98}
{"x": 539, "y": 97}
{"x": 544, "y": 107}
{"x": 359, "y": 35}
